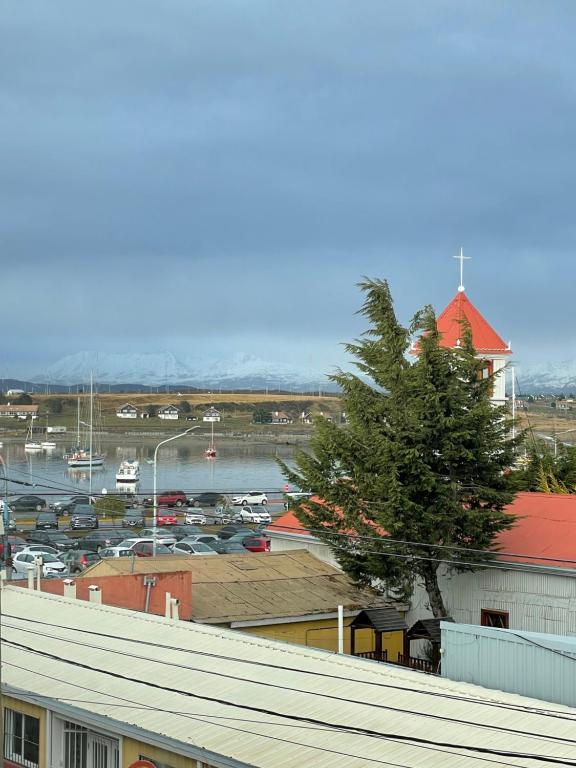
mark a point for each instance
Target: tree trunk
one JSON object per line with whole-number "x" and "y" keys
{"x": 429, "y": 572}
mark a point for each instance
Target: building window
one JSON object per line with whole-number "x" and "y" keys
{"x": 498, "y": 619}
{"x": 76, "y": 746}
{"x": 21, "y": 738}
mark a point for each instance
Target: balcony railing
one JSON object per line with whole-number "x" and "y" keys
{"x": 404, "y": 660}
{"x": 374, "y": 655}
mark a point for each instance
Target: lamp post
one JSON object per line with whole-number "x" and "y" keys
{"x": 155, "y": 495}
{"x": 554, "y": 438}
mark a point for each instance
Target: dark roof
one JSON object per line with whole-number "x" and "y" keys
{"x": 380, "y": 619}
{"x": 427, "y": 629}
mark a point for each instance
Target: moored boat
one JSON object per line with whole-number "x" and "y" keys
{"x": 128, "y": 471}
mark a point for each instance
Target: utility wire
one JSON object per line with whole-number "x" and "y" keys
{"x": 300, "y": 718}
{"x": 263, "y": 683}
{"x": 266, "y": 665}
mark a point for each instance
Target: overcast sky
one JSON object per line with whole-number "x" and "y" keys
{"x": 215, "y": 176}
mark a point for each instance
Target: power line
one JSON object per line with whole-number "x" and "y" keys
{"x": 296, "y": 690}
{"x": 415, "y": 740}
{"x": 556, "y": 714}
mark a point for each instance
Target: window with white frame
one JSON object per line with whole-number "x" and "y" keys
{"x": 76, "y": 746}
{"x": 21, "y": 738}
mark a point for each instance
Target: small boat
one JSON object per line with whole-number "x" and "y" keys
{"x": 128, "y": 472}
{"x": 210, "y": 452}
{"x": 30, "y": 444}
{"x": 86, "y": 457}
{"x": 48, "y": 445}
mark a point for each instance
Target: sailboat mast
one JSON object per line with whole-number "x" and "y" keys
{"x": 91, "y": 424}
{"x": 78, "y": 424}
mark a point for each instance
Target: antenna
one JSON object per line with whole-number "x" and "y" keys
{"x": 461, "y": 258}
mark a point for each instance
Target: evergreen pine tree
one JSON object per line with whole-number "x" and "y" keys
{"x": 422, "y": 459}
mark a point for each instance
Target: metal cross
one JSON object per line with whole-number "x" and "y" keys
{"x": 462, "y": 259}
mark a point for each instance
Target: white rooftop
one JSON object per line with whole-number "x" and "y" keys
{"x": 246, "y": 701}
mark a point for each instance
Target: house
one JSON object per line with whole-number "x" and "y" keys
{"x": 127, "y": 411}
{"x": 280, "y": 417}
{"x": 211, "y": 414}
{"x": 19, "y": 411}
{"x": 530, "y": 587}
{"x": 289, "y": 596}
{"x": 306, "y": 417}
{"x": 168, "y": 412}
{"x": 86, "y": 684}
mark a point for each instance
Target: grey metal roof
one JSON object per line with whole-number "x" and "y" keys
{"x": 380, "y": 619}
{"x": 256, "y": 702}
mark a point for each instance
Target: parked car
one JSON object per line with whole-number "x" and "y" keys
{"x": 197, "y": 517}
{"x": 107, "y": 537}
{"x": 297, "y": 495}
{"x": 134, "y": 519}
{"x": 78, "y": 560}
{"x": 22, "y": 562}
{"x": 206, "y": 499}
{"x": 15, "y": 544}
{"x": 192, "y": 548}
{"x": 55, "y": 539}
{"x": 248, "y": 515}
{"x": 145, "y": 547}
{"x": 130, "y": 500}
{"x": 117, "y": 551}
{"x": 168, "y": 499}
{"x": 83, "y": 517}
{"x": 257, "y": 543}
{"x": 156, "y": 533}
{"x": 46, "y": 520}
{"x": 231, "y": 530}
{"x": 39, "y": 548}
{"x": 66, "y": 505}
{"x": 203, "y": 538}
{"x": 28, "y": 504}
{"x": 229, "y": 547}
{"x": 166, "y": 517}
{"x": 185, "y": 531}
{"x": 251, "y": 497}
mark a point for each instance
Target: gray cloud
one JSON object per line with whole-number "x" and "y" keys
{"x": 220, "y": 175}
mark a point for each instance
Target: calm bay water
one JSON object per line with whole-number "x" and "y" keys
{"x": 240, "y": 466}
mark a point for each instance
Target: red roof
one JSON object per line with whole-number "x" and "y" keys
{"x": 545, "y": 528}
{"x": 484, "y": 337}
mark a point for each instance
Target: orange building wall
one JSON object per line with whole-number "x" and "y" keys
{"x": 128, "y": 591}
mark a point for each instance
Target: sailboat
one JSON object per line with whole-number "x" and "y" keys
{"x": 31, "y": 444}
{"x": 210, "y": 452}
{"x": 86, "y": 457}
{"x": 47, "y": 445}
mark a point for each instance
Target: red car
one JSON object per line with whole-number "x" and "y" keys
{"x": 256, "y": 543}
{"x": 146, "y": 549}
{"x": 166, "y": 517}
{"x": 172, "y": 499}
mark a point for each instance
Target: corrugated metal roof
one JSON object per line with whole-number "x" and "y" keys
{"x": 232, "y": 588}
{"x": 202, "y": 691}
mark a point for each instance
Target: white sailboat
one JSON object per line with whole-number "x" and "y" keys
{"x": 86, "y": 457}
{"x": 47, "y": 445}
{"x": 31, "y": 445}
{"x": 210, "y": 452}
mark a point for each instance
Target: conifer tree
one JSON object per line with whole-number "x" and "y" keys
{"x": 421, "y": 460}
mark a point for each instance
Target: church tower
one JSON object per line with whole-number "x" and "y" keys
{"x": 488, "y": 344}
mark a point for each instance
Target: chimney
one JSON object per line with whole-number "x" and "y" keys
{"x": 69, "y": 588}
{"x": 174, "y": 602}
{"x": 94, "y": 594}
{"x": 168, "y": 609}
{"x": 31, "y": 570}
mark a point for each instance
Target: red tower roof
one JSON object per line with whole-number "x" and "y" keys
{"x": 484, "y": 337}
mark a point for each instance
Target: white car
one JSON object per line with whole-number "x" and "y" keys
{"x": 23, "y": 562}
{"x": 40, "y": 549}
{"x": 116, "y": 552}
{"x": 251, "y": 497}
{"x": 195, "y": 518}
{"x": 248, "y": 515}
{"x": 160, "y": 534}
{"x": 192, "y": 548}
{"x": 298, "y": 495}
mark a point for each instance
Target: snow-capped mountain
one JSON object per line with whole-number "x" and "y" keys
{"x": 160, "y": 369}
{"x": 548, "y": 377}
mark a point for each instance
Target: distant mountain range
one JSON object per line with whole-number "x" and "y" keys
{"x": 150, "y": 372}
{"x": 153, "y": 371}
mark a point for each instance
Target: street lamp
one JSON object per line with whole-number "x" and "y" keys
{"x": 554, "y": 438}
{"x": 155, "y": 495}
